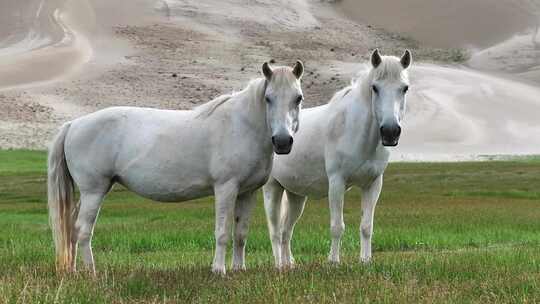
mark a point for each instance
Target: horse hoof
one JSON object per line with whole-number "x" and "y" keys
{"x": 365, "y": 261}
{"x": 239, "y": 268}
{"x": 219, "y": 271}
{"x": 288, "y": 265}
{"x": 334, "y": 260}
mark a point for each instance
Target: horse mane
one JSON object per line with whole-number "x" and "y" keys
{"x": 205, "y": 110}
{"x": 208, "y": 108}
{"x": 342, "y": 93}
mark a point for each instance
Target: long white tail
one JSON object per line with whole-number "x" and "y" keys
{"x": 60, "y": 201}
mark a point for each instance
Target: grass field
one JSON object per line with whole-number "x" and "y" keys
{"x": 452, "y": 232}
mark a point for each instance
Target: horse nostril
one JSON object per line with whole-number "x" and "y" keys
{"x": 393, "y": 131}
{"x": 291, "y": 140}
{"x": 273, "y": 140}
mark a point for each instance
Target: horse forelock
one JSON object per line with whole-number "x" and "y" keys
{"x": 283, "y": 76}
{"x": 389, "y": 70}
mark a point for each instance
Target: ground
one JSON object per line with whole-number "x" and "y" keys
{"x": 444, "y": 232}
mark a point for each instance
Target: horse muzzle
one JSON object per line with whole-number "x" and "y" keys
{"x": 282, "y": 144}
{"x": 390, "y": 135}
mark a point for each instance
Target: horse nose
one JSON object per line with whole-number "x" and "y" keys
{"x": 282, "y": 143}
{"x": 391, "y": 131}
{"x": 390, "y": 135}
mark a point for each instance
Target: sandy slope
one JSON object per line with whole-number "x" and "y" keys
{"x": 478, "y": 23}
{"x": 43, "y": 46}
{"x": 464, "y": 112}
{"x": 176, "y": 54}
{"x": 518, "y": 56}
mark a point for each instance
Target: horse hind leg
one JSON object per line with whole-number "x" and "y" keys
{"x": 89, "y": 206}
{"x": 273, "y": 193}
{"x": 293, "y": 209}
{"x": 242, "y": 212}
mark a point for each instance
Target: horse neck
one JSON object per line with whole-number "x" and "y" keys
{"x": 362, "y": 117}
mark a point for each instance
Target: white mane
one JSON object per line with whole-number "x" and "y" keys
{"x": 253, "y": 88}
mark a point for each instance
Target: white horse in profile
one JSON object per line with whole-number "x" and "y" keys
{"x": 224, "y": 147}
{"x": 341, "y": 144}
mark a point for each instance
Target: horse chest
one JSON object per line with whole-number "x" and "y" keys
{"x": 256, "y": 173}
{"x": 366, "y": 172}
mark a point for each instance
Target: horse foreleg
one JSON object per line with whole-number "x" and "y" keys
{"x": 336, "y": 193}
{"x": 370, "y": 196}
{"x": 225, "y": 196}
{"x": 242, "y": 213}
{"x": 294, "y": 208}
{"x": 273, "y": 193}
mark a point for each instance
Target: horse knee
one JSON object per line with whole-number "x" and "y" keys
{"x": 240, "y": 238}
{"x": 82, "y": 232}
{"x": 222, "y": 238}
{"x": 366, "y": 231}
{"x": 337, "y": 230}
{"x": 240, "y": 241}
{"x": 285, "y": 236}
{"x": 84, "y": 236}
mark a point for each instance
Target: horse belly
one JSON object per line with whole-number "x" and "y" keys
{"x": 315, "y": 186}
{"x": 164, "y": 190}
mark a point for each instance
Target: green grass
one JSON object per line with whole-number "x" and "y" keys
{"x": 449, "y": 232}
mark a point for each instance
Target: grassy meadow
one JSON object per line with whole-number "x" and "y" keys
{"x": 444, "y": 232}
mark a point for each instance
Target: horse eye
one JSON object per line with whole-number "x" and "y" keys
{"x": 268, "y": 100}
{"x": 405, "y": 89}
{"x": 299, "y": 99}
{"x": 375, "y": 89}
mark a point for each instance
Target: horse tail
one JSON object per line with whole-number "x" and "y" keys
{"x": 60, "y": 190}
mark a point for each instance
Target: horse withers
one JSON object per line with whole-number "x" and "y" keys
{"x": 341, "y": 144}
{"x": 224, "y": 147}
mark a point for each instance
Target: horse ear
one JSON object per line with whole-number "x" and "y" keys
{"x": 267, "y": 71}
{"x": 298, "y": 69}
{"x": 406, "y": 59}
{"x": 376, "y": 58}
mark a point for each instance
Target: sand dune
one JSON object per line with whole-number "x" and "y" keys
{"x": 43, "y": 46}
{"x": 518, "y": 57}
{"x": 464, "y": 112}
{"x": 443, "y": 23}
{"x": 44, "y": 40}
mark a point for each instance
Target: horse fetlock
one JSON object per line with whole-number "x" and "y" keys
{"x": 219, "y": 269}
{"x": 333, "y": 258}
{"x": 335, "y": 251}
{"x": 287, "y": 262}
{"x": 238, "y": 265}
{"x": 365, "y": 259}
